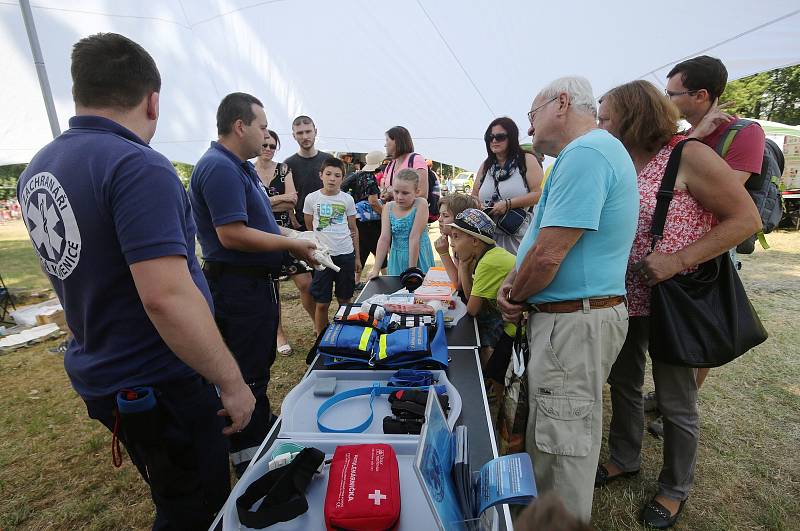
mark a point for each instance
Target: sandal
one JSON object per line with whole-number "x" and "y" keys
{"x": 657, "y": 516}
{"x": 602, "y": 478}
{"x": 285, "y": 350}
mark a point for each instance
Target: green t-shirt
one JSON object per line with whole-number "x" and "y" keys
{"x": 492, "y": 269}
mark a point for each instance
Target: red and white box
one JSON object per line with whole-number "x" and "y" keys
{"x": 363, "y": 489}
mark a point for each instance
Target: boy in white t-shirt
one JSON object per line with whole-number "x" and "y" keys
{"x": 331, "y": 214}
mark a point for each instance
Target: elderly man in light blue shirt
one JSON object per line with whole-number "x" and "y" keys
{"x": 570, "y": 276}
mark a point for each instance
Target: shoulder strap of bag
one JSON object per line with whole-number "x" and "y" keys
{"x": 522, "y": 165}
{"x": 726, "y": 139}
{"x": 666, "y": 192}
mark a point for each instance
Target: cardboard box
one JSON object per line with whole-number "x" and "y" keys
{"x": 52, "y": 315}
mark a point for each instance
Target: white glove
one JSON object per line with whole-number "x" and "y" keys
{"x": 322, "y": 255}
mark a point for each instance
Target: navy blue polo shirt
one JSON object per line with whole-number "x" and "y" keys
{"x": 96, "y": 200}
{"x": 224, "y": 189}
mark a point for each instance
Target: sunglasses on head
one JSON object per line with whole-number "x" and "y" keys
{"x": 270, "y": 146}
{"x": 499, "y": 137}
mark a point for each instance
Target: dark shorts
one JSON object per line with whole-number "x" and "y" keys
{"x": 345, "y": 280}
{"x": 292, "y": 266}
{"x": 368, "y": 234}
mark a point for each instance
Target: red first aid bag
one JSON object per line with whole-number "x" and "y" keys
{"x": 363, "y": 489}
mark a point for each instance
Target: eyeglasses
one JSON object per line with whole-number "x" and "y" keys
{"x": 270, "y": 146}
{"x": 532, "y": 114}
{"x": 671, "y": 94}
{"x": 499, "y": 137}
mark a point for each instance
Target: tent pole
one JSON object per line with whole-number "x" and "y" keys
{"x": 41, "y": 71}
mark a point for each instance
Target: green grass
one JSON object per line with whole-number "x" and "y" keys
{"x": 19, "y": 265}
{"x": 56, "y": 471}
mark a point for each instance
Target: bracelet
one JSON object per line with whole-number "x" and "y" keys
{"x": 508, "y": 205}
{"x": 512, "y": 301}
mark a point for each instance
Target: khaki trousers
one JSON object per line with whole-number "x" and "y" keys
{"x": 571, "y": 355}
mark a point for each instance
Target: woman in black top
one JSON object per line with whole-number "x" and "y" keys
{"x": 277, "y": 179}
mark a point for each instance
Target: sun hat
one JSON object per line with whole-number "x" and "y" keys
{"x": 475, "y": 223}
{"x": 374, "y": 159}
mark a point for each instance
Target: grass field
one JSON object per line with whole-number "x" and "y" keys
{"x": 56, "y": 472}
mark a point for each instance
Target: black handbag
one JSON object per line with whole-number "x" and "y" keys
{"x": 703, "y": 318}
{"x": 512, "y": 220}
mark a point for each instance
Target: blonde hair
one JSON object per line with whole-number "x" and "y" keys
{"x": 409, "y": 175}
{"x": 458, "y": 203}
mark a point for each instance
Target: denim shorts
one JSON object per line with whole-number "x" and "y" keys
{"x": 490, "y": 326}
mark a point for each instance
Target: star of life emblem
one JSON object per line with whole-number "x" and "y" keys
{"x": 51, "y": 224}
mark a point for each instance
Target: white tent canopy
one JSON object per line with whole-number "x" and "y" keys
{"x": 442, "y": 68}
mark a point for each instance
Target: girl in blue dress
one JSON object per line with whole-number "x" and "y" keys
{"x": 404, "y": 229}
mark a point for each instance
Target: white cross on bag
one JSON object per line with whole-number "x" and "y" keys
{"x": 376, "y": 497}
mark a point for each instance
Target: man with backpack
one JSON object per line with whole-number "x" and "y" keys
{"x": 695, "y": 86}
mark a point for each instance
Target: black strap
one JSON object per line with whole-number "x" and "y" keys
{"x": 496, "y": 184}
{"x": 283, "y": 490}
{"x": 410, "y": 162}
{"x": 666, "y": 192}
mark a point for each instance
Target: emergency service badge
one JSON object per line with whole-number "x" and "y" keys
{"x": 51, "y": 224}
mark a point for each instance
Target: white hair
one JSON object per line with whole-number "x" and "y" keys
{"x": 577, "y": 88}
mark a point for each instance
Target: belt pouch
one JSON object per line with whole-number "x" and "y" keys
{"x": 169, "y": 473}
{"x": 140, "y": 417}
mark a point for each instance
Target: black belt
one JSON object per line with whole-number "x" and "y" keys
{"x": 216, "y": 269}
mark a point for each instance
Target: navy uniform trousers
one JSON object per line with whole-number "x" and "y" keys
{"x": 246, "y": 309}
{"x": 194, "y": 478}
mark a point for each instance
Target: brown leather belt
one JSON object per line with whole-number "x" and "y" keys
{"x": 576, "y": 305}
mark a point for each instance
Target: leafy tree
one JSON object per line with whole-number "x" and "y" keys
{"x": 10, "y": 174}
{"x": 8, "y": 180}
{"x": 773, "y": 95}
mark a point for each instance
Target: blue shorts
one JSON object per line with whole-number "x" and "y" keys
{"x": 323, "y": 281}
{"x": 490, "y": 327}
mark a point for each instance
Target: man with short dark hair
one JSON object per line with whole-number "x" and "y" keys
{"x": 111, "y": 224}
{"x": 243, "y": 250}
{"x": 694, "y": 86}
{"x": 306, "y": 163}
